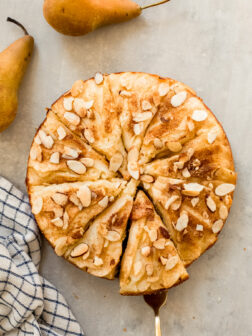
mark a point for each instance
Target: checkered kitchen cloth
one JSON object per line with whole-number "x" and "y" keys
{"x": 29, "y": 304}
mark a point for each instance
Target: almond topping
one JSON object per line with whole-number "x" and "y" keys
{"x": 60, "y": 199}
{"x": 79, "y": 250}
{"x": 79, "y": 107}
{"x": 133, "y": 170}
{"x": 138, "y": 128}
{"x": 88, "y": 162}
{"x": 190, "y": 125}
{"x": 37, "y": 140}
{"x": 159, "y": 244}
{"x": 182, "y": 222}
{"x": 178, "y": 165}
{"x": 60, "y": 246}
{"x": 224, "y": 189}
{"x": 193, "y": 187}
{"x": 77, "y": 88}
{"x": 171, "y": 263}
{"x": 76, "y": 201}
{"x": 217, "y": 226}
{"x": 146, "y": 105}
{"x": 98, "y": 78}
{"x": 125, "y": 93}
{"x": 176, "y": 205}
{"x": 68, "y": 103}
{"x": 195, "y": 201}
{"x": 113, "y": 236}
{"x": 61, "y": 133}
{"x": 170, "y": 200}
{"x": 211, "y": 204}
{"x": 46, "y": 140}
{"x": 104, "y": 202}
{"x": 137, "y": 267}
{"x": 186, "y": 173}
{"x": 145, "y": 251}
{"x": 149, "y": 269}
{"x": 111, "y": 199}
{"x": 98, "y": 261}
{"x": 178, "y": 99}
{"x": 70, "y": 153}
{"x": 57, "y": 222}
{"x": 199, "y": 227}
{"x": 223, "y": 211}
{"x": 147, "y": 178}
{"x": 163, "y": 89}
{"x": 163, "y": 260}
{"x": 88, "y": 134}
{"x": 158, "y": 143}
{"x": 212, "y": 135}
{"x": 76, "y": 167}
{"x": 116, "y": 162}
{"x": 65, "y": 220}
{"x": 84, "y": 194}
{"x": 199, "y": 115}
{"x": 142, "y": 116}
{"x": 174, "y": 146}
{"x": 55, "y": 158}
{"x": 72, "y": 118}
{"x": 153, "y": 234}
{"x": 37, "y": 205}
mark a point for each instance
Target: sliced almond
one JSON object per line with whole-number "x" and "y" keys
{"x": 224, "y": 189}
{"x": 171, "y": 262}
{"x": 159, "y": 244}
{"x": 73, "y": 118}
{"x": 84, "y": 194}
{"x": 68, "y": 103}
{"x": 46, "y": 140}
{"x": 217, "y": 226}
{"x": 199, "y": 227}
{"x": 116, "y": 162}
{"x": 193, "y": 187}
{"x": 58, "y": 211}
{"x": 37, "y": 205}
{"x": 199, "y": 115}
{"x": 88, "y": 134}
{"x": 79, "y": 250}
{"x": 170, "y": 201}
{"x": 111, "y": 199}
{"x": 125, "y": 93}
{"x": 137, "y": 128}
{"x": 88, "y": 162}
{"x": 190, "y": 125}
{"x": 37, "y": 140}
{"x": 195, "y": 201}
{"x": 178, "y": 99}
{"x": 212, "y": 135}
{"x": 211, "y": 204}
{"x": 76, "y": 166}
{"x": 76, "y": 201}
{"x": 70, "y": 153}
{"x": 57, "y": 222}
{"x": 65, "y": 220}
{"x": 60, "y": 246}
{"x": 174, "y": 146}
{"x": 163, "y": 89}
{"x": 98, "y": 78}
{"x": 153, "y": 234}
{"x": 98, "y": 261}
{"x": 146, "y": 105}
{"x": 182, "y": 222}
{"x": 149, "y": 269}
{"x": 176, "y": 205}
{"x": 186, "y": 173}
{"x": 61, "y": 133}
{"x": 137, "y": 267}
{"x": 113, "y": 236}
{"x": 142, "y": 116}
{"x": 60, "y": 199}
{"x": 163, "y": 260}
{"x": 77, "y": 88}
{"x": 223, "y": 212}
{"x": 104, "y": 202}
{"x": 147, "y": 178}
{"x": 158, "y": 144}
{"x": 146, "y": 251}
{"x": 133, "y": 170}
{"x": 79, "y": 107}
{"x": 36, "y": 153}
{"x": 55, "y": 158}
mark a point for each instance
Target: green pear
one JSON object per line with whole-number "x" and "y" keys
{"x": 79, "y": 17}
{"x": 13, "y": 63}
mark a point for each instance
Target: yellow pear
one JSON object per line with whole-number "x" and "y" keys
{"x": 13, "y": 62}
{"x": 79, "y": 17}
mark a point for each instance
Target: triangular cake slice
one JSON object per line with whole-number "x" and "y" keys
{"x": 57, "y": 155}
{"x": 64, "y": 211}
{"x": 100, "y": 249}
{"x": 194, "y": 211}
{"x": 88, "y": 109}
{"x": 150, "y": 262}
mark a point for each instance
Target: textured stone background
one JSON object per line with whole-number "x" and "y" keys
{"x": 204, "y": 43}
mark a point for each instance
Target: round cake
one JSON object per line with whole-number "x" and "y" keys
{"x": 131, "y": 173}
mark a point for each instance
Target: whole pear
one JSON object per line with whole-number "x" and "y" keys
{"x": 13, "y": 63}
{"x": 79, "y": 17}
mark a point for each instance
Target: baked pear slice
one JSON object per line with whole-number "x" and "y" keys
{"x": 57, "y": 155}
{"x": 88, "y": 109}
{"x": 194, "y": 212}
{"x": 64, "y": 211}
{"x": 150, "y": 262}
{"x": 102, "y": 242}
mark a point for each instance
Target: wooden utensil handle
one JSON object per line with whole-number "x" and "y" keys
{"x": 157, "y": 325}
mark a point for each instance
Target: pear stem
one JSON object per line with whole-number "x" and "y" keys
{"x": 18, "y": 24}
{"x": 155, "y": 4}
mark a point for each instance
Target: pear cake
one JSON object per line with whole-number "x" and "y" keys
{"x": 131, "y": 174}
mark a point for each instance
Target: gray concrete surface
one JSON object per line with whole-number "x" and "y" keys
{"x": 204, "y": 43}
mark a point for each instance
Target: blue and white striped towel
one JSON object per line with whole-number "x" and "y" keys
{"x": 29, "y": 304}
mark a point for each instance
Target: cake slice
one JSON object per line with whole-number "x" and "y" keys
{"x": 64, "y": 211}
{"x": 88, "y": 109}
{"x": 57, "y": 155}
{"x": 150, "y": 262}
{"x": 102, "y": 242}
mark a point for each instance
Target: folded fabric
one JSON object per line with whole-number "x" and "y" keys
{"x": 29, "y": 304}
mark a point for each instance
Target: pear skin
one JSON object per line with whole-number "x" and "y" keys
{"x": 79, "y": 17}
{"x": 13, "y": 62}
